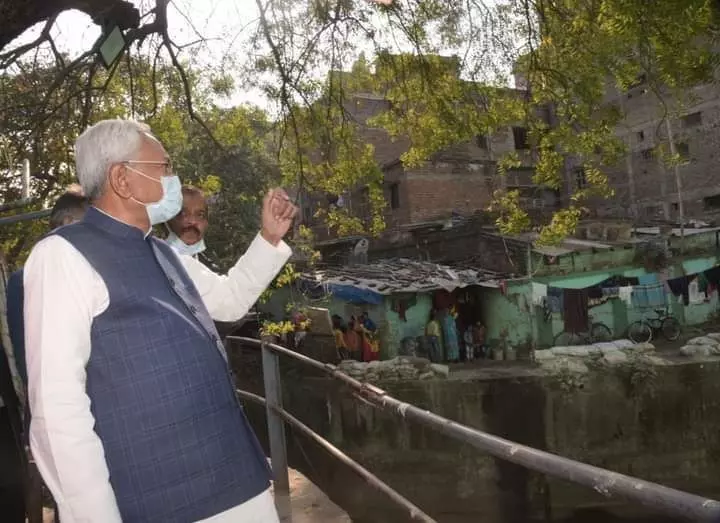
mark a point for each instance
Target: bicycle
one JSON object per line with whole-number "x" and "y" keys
{"x": 596, "y": 332}
{"x": 642, "y": 331}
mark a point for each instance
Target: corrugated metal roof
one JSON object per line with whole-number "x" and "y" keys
{"x": 402, "y": 275}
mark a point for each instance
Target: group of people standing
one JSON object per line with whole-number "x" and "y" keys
{"x": 444, "y": 342}
{"x": 356, "y": 340}
{"x": 132, "y": 407}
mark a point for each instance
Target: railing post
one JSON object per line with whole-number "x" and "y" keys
{"x": 276, "y": 431}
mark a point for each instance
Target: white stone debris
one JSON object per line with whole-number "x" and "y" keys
{"x": 576, "y": 359}
{"x": 702, "y": 346}
{"x": 400, "y": 368}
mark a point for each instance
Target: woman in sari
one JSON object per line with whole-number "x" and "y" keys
{"x": 450, "y": 336}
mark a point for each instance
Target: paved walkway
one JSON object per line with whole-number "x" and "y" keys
{"x": 309, "y": 503}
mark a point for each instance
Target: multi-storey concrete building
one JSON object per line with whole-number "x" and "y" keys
{"x": 457, "y": 181}
{"x": 648, "y": 188}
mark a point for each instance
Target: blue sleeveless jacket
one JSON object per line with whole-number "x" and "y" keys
{"x": 177, "y": 443}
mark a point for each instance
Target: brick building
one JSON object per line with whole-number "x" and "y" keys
{"x": 458, "y": 181}
{"x": 645, "y": 187}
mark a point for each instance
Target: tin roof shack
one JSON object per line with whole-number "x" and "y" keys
{"x": 398, "y": 295}
{"x": 647, "y": 255}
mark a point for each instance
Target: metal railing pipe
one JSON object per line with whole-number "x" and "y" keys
{"x": 415, "y": 513}
{"x": 652, "y": 495}
{"x": 276, "y": 433}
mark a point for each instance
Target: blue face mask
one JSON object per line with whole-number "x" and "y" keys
{"x": 183, "y": 248}
{"x": 171, "y": 202}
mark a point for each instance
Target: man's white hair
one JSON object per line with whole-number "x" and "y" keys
{"x": 102, "y": 145}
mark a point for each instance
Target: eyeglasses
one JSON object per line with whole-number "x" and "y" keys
{"x": 167, "y": 164}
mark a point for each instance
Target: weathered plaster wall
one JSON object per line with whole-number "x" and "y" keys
{"x": 416, "y": 317}
{"x": 664, "y": 429}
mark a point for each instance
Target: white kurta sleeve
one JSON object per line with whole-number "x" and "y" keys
{"x": 230, "y": 297}
{"x": 62, "y": 295}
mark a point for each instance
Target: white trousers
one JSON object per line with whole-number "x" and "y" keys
{"x": 260, "y": 509}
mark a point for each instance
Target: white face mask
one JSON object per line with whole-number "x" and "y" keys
{"x": 183, "y": 248}
{"x": 171, "y": 202}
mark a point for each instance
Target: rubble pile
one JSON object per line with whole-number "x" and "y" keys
{"x": 703, "y": 346}
{"x": 400, "y": 368}
{"x": 576, "y": 359}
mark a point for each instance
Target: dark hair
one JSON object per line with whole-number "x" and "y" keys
{"x": 69, "y": 205}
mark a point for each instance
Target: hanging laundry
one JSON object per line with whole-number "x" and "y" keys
{"x": 596, "y": 296}
{"x": 539, "y": 293}
{"x": 639, "y": 297}
{"x": 625, "y": 295}
{"x": 703, "y": 283}
{"x": 648, "y": 296}
{"x": 610, "y": 292}
{"x": 695, "y": 295}
{"x": 555, "y": 299}
{"x": 679, "y": 287}
{"x": 713, "y": 276}
{"x": 575, "y": 310}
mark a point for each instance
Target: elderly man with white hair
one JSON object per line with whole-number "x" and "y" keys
{"x": 134, "y": 413}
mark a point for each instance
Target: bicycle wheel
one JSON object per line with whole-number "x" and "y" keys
{"x": 599, "y": 332}
{"x": 640, "y": 332}
{"x": 568, "y": 339}
{"x": 670, "y": 328}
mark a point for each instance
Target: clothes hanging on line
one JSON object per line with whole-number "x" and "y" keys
{"x": 648, "y": 296}
{"x": 611, "y": 292}
{"x": 679, "y": 287}
{"x": 695, "y": 295}
{"x": 575, "y": 310}
{"x": 625, "y": 294}
{"x": 713, "y": 276}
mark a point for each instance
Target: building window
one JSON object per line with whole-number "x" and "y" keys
{"x": 395, "y": 196}
{"x": 712, "y": 202}
{"x": 647, "y": 154}
{"x": 692, "y": 120}
{"x": 482, "y": 141}
{"x": 640, "y": 136}
{"x": 520, "y": 135}
{"x": 675, "y": 206}
{"x": 683, "y": 150}
{"x": 580, "y": 180}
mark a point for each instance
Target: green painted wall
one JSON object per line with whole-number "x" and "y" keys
{"x": 416, "y": 317}
{"x": 511, "y": 312}
{"x": 523, "y": 321}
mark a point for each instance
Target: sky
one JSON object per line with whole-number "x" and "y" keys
{"x": 226, "y": 24}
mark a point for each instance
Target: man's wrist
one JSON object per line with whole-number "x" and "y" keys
{"x": 272, "y": 239}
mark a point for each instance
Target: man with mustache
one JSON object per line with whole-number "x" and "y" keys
{"x": 187, "y": 229}
{"x": 187, "y": 236}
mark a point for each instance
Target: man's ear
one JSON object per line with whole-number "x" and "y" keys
{"x": 118, "y": 181}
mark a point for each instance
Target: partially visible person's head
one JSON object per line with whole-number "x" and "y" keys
{"x": 192, "y": 221}
{"x": 336, "y": 321}
{"x": 126, "y": 171}
{"x": 69, "y": 208}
